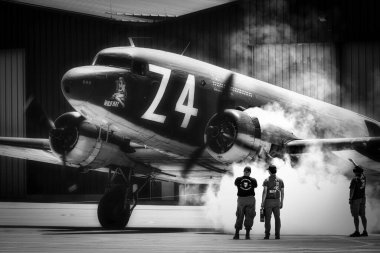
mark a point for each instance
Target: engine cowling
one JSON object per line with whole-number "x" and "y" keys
{"x": 81, "y": 143}
{"x": 235, "y": 136}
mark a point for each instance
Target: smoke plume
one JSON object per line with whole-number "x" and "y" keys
{"x": 316, "y": 188}
{"x": 316, "y": 199}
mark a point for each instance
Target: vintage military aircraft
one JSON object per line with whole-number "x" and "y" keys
{"x": 155, "y": 114}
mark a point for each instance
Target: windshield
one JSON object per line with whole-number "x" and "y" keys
{"x": 112, "y": 60}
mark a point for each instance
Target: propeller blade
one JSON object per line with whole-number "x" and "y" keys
{"x": 224, "y": 98}
{"x": 194, "y": 157}
{"x": 64, "y": 159}
{"x": 353, "y": 162}
{"x": 71, "y": 183}
{"x": 223, "y": 103}
{"x": 38, "y": 112}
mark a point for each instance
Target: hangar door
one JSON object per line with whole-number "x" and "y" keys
{"x": 12, "y": 122}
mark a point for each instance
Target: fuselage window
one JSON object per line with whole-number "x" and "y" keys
{"x": 119, "y": 61}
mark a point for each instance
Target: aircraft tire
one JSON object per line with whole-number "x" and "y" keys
{"x": 111, "y": 211}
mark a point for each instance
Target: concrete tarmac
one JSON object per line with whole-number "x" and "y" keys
{"x": 56, "y": 227}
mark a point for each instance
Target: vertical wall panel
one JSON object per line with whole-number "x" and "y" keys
{"x": 335, "y": 98}
{"x": 285, "y": 66}
{"x": 314, "y": 70}
{"x": 376, "y": 81}
{"x": 299, "y": 68}
{"x": 12, "y": 71}
{"x": 369, "y": 55}
{"x": 3, "y": 111}
{"x": 354, "y": 78}
{"x": 362, "y": 69}
{"x": 306, "y": 69}
{"x": 292, "y": 67}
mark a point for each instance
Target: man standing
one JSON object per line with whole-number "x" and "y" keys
{"x": 246, "y": 203}
{"x": 272, "y": 201}
{"x": 357, "y": 200}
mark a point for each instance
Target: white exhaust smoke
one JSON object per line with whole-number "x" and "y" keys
{"x": 316, "y": 199}
{"x": 316, "y": 190}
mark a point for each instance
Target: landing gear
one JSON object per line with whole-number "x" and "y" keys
{"x": 117, "y": 204}
{"x": 113, "y": 208}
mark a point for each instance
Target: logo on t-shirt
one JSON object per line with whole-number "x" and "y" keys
{"x": 245, "y": 184}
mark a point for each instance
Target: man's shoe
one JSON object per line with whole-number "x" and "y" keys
{"x": 364, "y": 233}
{"x": 236, "y": 237}
{"x": 247, "y": 237}
{"x": 277, "y": 237}
{"x": 266, "y": 237}
{"x": 355, "y": 234}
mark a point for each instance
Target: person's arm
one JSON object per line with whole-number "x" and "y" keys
{"x": 352, "y": 188}
{"x": 264, "y": 196}
{"x": 254, "y": 183}
{"x": 282, "y": 198}
{"x": 351, "y": 195}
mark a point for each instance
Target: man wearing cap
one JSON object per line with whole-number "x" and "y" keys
{"x": 357, "y": 200}
{"x": 246, "y": 203}
{"x": 272, "y": 201}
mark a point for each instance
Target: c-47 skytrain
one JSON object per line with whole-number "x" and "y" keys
{"x": 155, "y": 114}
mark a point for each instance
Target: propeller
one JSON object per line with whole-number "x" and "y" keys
{"x": 217, "y": 132}
{"x": 62, "y": 135}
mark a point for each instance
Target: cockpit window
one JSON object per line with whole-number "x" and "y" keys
{"x": 139, "y": 67}
{"x": 119, "y": 61}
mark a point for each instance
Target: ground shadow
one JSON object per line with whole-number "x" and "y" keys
{"x": 59, "y": 230}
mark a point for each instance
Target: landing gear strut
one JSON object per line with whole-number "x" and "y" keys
{"x": 119, "y": 200}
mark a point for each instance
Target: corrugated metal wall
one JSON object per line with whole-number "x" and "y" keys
{"x": 12, "y": 123}
{"x": 361, "y": 77}
{"x": 326, "y": 49}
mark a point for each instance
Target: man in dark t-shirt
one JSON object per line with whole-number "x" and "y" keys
{"x": 246, "y": 202}
{"x": 357, "y": 200}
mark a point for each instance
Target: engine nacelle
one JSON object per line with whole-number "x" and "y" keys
{"x": 78, "y": 142}
{"x": 235, "y": 136}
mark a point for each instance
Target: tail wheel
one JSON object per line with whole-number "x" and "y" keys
{"x": 113, "y": 212}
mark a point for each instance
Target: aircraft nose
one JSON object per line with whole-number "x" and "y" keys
{"x": 77, "y": 82}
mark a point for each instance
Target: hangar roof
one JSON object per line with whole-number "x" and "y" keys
{"x": 129, "y": 10}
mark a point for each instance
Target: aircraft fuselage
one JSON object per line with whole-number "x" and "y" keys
{"x": 165, "y": 100}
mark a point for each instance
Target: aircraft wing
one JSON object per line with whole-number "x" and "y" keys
{"x": 165, "y": 166}
{"x": 28, "y": 149}
{"x": 365, "y": 150}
